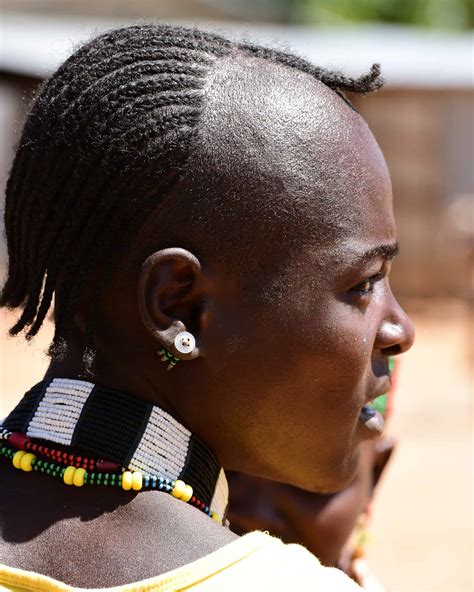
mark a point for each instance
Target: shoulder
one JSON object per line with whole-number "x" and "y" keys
{"x": 94, "y": 531}
{"x": 253, "y": 562}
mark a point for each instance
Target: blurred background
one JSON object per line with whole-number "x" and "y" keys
{"x": 422, "y": 530}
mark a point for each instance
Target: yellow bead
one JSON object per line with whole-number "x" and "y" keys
{"x": 215, "y": 517}
{"x": 137, "y": 480}
{"x": 68, "y": 476}
{"x": 127, "y": 480}
{"x": 178, "y": 489}
{"x": 26, "y": 462}
{"x": 188, "y": 493}
{"x": 16, "y": 460}
{"x": 78, "y": 478}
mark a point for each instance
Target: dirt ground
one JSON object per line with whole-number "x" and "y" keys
{"x": 423, "y": 520}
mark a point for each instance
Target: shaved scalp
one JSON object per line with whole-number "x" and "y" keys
{"x": 158, "y": 124}
{"x": 278, "y": 160}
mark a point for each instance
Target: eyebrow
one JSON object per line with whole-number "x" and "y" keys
{"x": 387, "y": 252}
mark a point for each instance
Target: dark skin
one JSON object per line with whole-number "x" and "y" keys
{"x": 287, "y": 189}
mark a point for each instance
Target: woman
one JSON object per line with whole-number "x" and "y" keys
{"x": 214, "y": 221}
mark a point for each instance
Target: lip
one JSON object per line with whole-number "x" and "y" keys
{"x": 382, "y": 389}
{"x": 372, "y": 421}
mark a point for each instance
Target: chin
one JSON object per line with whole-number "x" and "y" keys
{"x": 335, "y": 479}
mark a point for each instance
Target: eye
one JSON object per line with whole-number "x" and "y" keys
{"x": 366, "y": 287}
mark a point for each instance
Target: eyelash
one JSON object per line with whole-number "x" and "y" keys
{"x": 359, "y": 289}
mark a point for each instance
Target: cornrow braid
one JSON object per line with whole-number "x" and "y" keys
{"x": 337, "y": 81}
{"x": 108, "y": 136}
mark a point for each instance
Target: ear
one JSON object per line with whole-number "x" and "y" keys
{"x": 169, "y": 298}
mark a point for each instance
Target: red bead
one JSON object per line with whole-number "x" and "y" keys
{"x": 18, "y": 440}
{"x": 21, "y": 441}
{"x": 107, "y": 466}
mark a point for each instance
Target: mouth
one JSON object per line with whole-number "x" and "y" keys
{"x": 370, "y": 415}
{"x": 372, "y": 420}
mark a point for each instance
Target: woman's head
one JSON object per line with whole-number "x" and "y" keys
{"x": 271, "y": 193}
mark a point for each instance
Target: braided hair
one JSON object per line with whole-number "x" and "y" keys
{"x": 105, "y": 140}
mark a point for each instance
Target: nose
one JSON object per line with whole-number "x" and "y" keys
{"x": 396, "y": 333}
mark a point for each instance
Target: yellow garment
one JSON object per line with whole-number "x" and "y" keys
{"x": 256, "y": 561}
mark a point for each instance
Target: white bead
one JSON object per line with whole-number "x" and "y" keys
{"x": 184, "y": 342}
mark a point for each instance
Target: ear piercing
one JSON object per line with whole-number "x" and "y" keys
{"x": 184, "y": 342}
{"x": 167, "y": 358}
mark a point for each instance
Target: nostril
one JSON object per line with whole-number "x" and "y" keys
{"x": 393, "y": 350}
{"x": 395, "y": 337}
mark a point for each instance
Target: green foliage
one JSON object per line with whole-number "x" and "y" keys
{"x": 444, "y": 14}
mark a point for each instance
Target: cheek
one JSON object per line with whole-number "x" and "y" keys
{"x": 300, "y": 360}
{"x": 289, "y": 390}
{"x": 341, "y": 354}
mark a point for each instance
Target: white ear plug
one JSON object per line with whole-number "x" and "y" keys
{"x": 184, "y": 342}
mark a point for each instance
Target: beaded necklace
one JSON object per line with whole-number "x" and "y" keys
{"x": 110, "y": 438}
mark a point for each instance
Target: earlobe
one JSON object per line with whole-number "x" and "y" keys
{"x": 170, "y": 303}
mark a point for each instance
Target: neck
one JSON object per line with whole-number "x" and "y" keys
{"x": 120, "y": 369}
{"x": 110, "y": 424}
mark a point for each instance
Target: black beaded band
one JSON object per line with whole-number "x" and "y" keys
{"x": 113, "y": 425}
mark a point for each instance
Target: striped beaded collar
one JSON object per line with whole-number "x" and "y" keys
{"x": 113, "y": 425}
